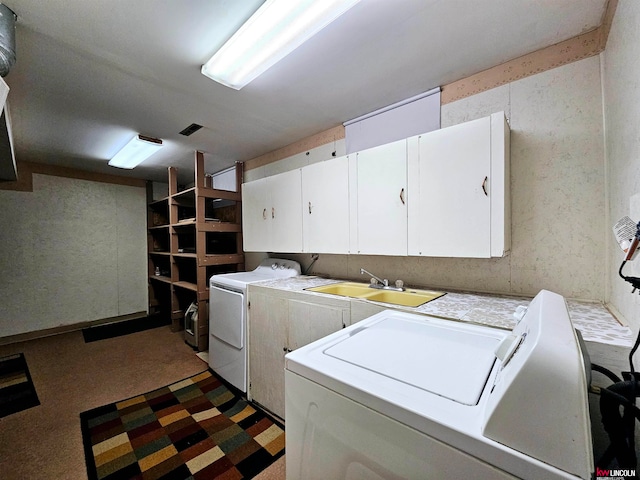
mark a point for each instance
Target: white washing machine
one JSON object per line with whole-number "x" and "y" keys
{"x": 228, "y": 317}
{"x": 399, "y": 395}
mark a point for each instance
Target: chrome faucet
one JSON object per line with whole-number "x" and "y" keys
{"x": 383, "y": 283}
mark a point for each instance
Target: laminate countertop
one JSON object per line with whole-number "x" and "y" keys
{"x": 593, "y": 319}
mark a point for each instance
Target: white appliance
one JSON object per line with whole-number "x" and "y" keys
{"x": 400, "y": 395}
{"x": 228, "y": 317}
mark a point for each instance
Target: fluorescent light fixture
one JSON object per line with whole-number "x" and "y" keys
{"x": 276, "y": 29}
{"x": 136, "y": 151}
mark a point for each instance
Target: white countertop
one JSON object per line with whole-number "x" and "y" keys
{"x": 593, "y": 320}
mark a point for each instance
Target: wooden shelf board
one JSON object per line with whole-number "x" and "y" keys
{"x": 160, "y": 253}
{"x": 159, "y": 227}
{"x": 219, "y": 227}
{"x": 187, "y": 222}
{"x": 184, "y": 193}
{"x": 224, "y": 194}
{"x": 185, "y": 255}
{"x": 186, "y": 285}
{"x": 160, "y": 202}
{"x": 221, "y": 259}
{"x": 160, "y": 278}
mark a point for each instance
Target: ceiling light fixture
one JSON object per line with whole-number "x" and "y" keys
{"x": 276, "y": 29}
{"x": 136, "y": 151}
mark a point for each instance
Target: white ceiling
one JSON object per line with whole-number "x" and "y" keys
{"x": 92, "y": 73}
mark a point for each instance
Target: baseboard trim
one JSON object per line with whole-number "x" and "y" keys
{"x": 48, "y": 332}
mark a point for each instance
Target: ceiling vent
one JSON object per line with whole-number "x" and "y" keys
{"x": 7, "y": 39}
{"x": 191, "y": 129}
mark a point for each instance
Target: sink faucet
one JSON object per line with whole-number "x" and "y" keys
{"x": 384, "y": 282}
{"x": 377, "y": 282}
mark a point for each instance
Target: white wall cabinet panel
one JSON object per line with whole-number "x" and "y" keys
{"x": 441, "y": 194}
{"x": 379, "y": 196}
{"x": 457, "y": 183}
{"x": 286, "y": 213}
{"x": 256, "y": 227}
{"x": 272, "y": 213}
{"x": 325, "y": 206}
{"x": 500, "y": 185}
{"x": 450, "y": 210}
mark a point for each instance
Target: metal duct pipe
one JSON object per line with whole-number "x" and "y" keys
{"x": 7, "y": 39}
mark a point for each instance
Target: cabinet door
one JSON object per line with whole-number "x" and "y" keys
{"x": 325, "y": 206}
{"x": 450, "y": 182}
{"x": 378, "y": 190}
{"x": 286, "y": 212}
{"x": 267, "y": 348}
{"x": 309, "y": 322}
{"x": 256, "y": 215}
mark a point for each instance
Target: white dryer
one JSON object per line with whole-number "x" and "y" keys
{"x": 399, "y": 395}
{"x": 228, "y": 317}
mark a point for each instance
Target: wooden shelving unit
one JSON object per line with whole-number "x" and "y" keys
{"x": 193, "y": 234}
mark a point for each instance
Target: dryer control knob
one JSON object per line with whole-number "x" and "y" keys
{"x": 508, "y": 347}
{"x": 274, "y": 266}
{"x": 520, "y": 312}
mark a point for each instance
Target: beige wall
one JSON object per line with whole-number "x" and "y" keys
{"x": 557, "y": 189}
{"x": 621, "y": 80}
{"x": 72, "y": 251}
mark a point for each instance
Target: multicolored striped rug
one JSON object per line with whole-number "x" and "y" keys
{"x": 16, "y": 388}
{"x": 193, "y": 429}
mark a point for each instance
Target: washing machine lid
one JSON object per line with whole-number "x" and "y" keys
{"x": 237, "y": 281}
{"x": 269, "y": 269}
{"x": 439, "y": 358}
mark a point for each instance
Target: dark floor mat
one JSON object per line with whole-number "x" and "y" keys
{"x": 16, "y": 388}
{"x": 118, "y": 329}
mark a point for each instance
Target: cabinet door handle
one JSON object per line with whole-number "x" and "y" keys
{"x": 273, "y": 212}
{"x": 402, "y": 196}
{"x": 484, "y": 186}
{"x": 264, "y": 214}
{"x": 309, "y": 208}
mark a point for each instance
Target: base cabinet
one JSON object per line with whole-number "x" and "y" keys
{"x": 280, "y": 322}
{"x": 268, "y": 318}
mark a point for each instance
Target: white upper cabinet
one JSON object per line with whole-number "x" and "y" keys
{"x": 325, "y": 206}
{"x": 378, "y": 200}
{"x": 459, "y": 190}
{"x": 256, "y": 200}
{"x": 272, "y": 213}
{"x": 441, "y": 194}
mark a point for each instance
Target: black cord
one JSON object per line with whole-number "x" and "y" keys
{"x": 621, "y": 428}
{"x": 632, "y": 352}
{"x": 635, "y": 282}
{"x": 612, "y": 376}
